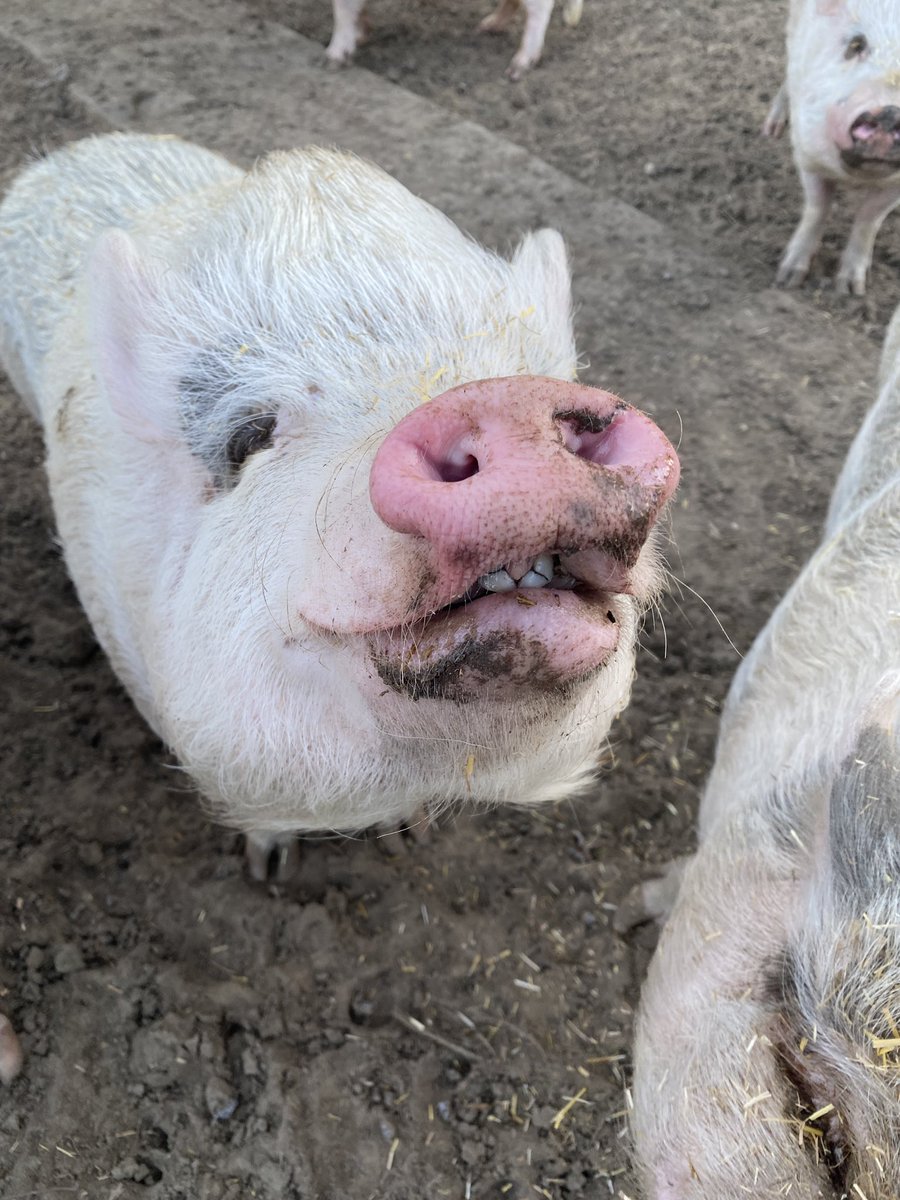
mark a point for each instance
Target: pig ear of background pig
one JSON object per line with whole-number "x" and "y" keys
{"x": 541, "y": 259}
{"x": 122, "y": 291}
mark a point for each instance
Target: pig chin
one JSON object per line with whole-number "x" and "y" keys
{"x": 505, "y": 647}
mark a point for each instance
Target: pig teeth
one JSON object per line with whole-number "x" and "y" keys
{"x": 497, "y": 581}
{"x": 542, "y": 567}
{"x": 537, "y": 576}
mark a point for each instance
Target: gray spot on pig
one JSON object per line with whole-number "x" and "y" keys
{"x": 221, "y": 427}
{"x": 833, "y": 994}
{"x": 864, "y": 820}
{"x": 62, "y": 413}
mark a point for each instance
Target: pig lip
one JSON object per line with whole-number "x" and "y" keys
{"x": 503, "y": 646}
{"x": 859, "y": 160}
{"x": 875, "y": 149}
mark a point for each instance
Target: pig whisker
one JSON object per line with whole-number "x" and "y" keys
{"x": 706, "y": 604}
{"x": 656, "y": 612}
{"x": 680, "y": 432}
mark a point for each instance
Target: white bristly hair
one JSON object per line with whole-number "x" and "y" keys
{"x": 313, "y": 292}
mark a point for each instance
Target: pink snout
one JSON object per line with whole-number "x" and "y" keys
{"x": 495, "y": 472}
{"x": 867, "y": 135}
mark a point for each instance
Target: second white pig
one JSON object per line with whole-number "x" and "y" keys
{"x": 843, "y": 97}
{"x": 767, "y": 1060}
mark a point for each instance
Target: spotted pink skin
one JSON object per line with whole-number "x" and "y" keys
{"x": 499, "y": 471}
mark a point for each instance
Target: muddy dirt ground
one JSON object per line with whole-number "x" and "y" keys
{"x": 406, "y": 1022}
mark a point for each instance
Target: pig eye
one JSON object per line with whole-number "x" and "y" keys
{"x": 255, "y": 433}
{"x": 857, "y": 46}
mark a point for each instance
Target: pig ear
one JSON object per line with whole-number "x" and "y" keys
{"x": 123, "y": 291}
{"x": 542, "y": 264}
{"x": 829, "y": 8}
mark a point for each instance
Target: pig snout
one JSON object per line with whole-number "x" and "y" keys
{"x": 532, "y": 499}
{"x": 874, "y": 138}
{"x": 495, "y": 474}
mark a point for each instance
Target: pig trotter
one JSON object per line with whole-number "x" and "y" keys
{"x": 807, "y": 237}
{"x": 857, "y": 257}
{"x": 499, "y": 20}
{"x": 350, "y": 31}
{"x": 653, "y": 899}
{"x": 393, "y": 840}
{"x": 518, "y": 67}
{"x": 777, "y": 117}
{"x": 851, "y": 277}
{"x": 10, "y": 1051}
{"x": 272, "y": 857}
{"x": 537, "y": 17}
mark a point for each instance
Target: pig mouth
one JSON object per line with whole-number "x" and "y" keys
{"x": 516, "y": 632}
{"x": 876, "y": 145}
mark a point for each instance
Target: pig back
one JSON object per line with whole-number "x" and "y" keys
{"x": 832, "y": 646}
{"x": 54, "y": 212}
{"x": 873, "y": 462}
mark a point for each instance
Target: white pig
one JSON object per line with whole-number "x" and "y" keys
{"x": 351, "y": 27}
{"x": 767, "y": 1059}
{"x": 843, "y": 96}
{"x": 346, "y": 530}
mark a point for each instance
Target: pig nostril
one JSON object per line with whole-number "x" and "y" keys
{"x": 868, "y": 124}
{"x": 453, "y": 467}
{"x": 588, "y": 435}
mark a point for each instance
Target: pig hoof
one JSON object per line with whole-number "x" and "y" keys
{"x": 493, "y": 24}
{"x": 773, "y": 128}
{"x": 272, "y": 857}
{"x": 791, "y": 275}
{"x": 10, "y": 1051}
{"x": 519, "y": 67}
{"x": 850, "y": 282}
{"x": 416, "y": 829}
{"x": 651, "y": 900}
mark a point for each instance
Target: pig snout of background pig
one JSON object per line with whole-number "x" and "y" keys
{"x": 351, "y": 28}
{"x": 767, "y": 1057}
{"x": 843, "y": 96}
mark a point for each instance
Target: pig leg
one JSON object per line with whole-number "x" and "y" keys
{"x": 498, "y": 21}
{"x": 717, "y": 1114}
{"x": 777, "y": 117}
{"x": 537, "y": 18}
{"x": 274, "y": 856}
{"x": 857, "y": 256}
{"x": 653, "y": 899}
{"x": 349, "y": 31}
{"x": 818, "y": 194}
{"x": 417, "y": 829}
{"x": 10, "y": 1051}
